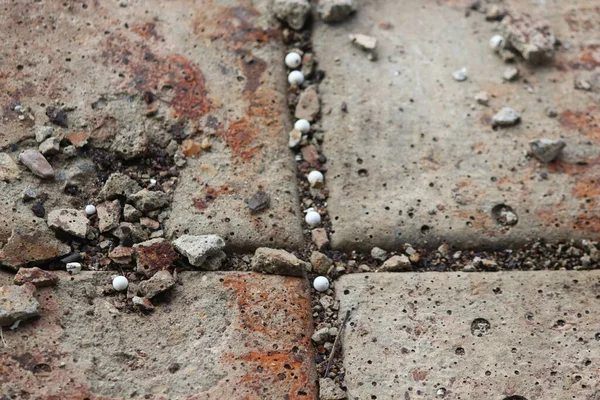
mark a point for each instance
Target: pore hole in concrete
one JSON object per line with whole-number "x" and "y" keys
{"x": 480, "y": 327}
{"x": 504, "y": 215}
{"x": 515, "y": 398}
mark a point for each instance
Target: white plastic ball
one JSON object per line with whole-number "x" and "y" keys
{"x": 313, "y": 218}
{"x": 302, "y": 125}
{"x": 321, "y": 284}
{"x": 315, "y": 178}
{"x": 497, "y": 42}
{"x": 296, "y": 78}
{"x": 120, "y": 283}
{"x": 293, "y": 60}
{"x": 90, "y": 209}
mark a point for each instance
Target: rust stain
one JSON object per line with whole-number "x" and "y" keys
{"x": 419, "y": 375}
{"x": 253, "y": 69}
{"x": 155, "y": 257}
{"x": 191, "y": 148}
{"x": 587, "y": 223}
{"x": 147, "y": 31}
{"x": 239, "y": 137}
{"x": 588, "y": 59}
{"x": 209, "y": 195}
{"x": 587, "y": 189}
{"x": 78, "y": 139}
{"x": 573, "y": 168}
{"x": 582, "y": 121}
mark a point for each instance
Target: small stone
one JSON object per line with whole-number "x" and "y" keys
{"x": 329, "y": 390}
{"x": 149, "y": 223}
{"x": 320, "y": 262}
{"x": 78, "y": 139}
{"x": 142, "y": 303}
{"x": 73, "y": 268}
{"x": 121, "y": 254}
{"x": 379, "y": 254}
{"x": 396, "y": 263}
{"x": 483, "y": 98}
{"x": 160, "y": 282}
{"x": 38, "y": 210}
{"x": 507, "y": 55}
{"x": 510, "y": 74}
{"x": 9, "y": 170}
{"x": 546, "y": 150}
{"x": 109, "y": 214}
{"x": 534, "y": 41}
{"x": 309, "y": 105}
{"x": 28, "y": 194}
{"x": 495, "y": 13}
{"x": 364, "y": 268}
{"x": 57, "y": 116}
{"x": 18, "y": 303}
{"x": 582, "y": 84}
{"x": 311, "y": 155}
{"x": 326, "y": 302}
{"x": 258, "y": 202}
{"x": 294, "y": 138}
{"x": 49, "y": 146}
{"x": 292, "y": 12}
{"x": 119, "y": 185}
{"x": 506, "y": 117}
{"x": 278, "y": 262}
{"x": 460, "y": 75}
{"x": 69, "y": 151}
{"x": 335, "y": 10}
{"x": 36, "y": 276}
{"x": 72, "y": 221}
{"x": 198, "y": 248}
{"x": 147, "y": 200}
{"x": 42, "y": 133}
{"x": 320, "y": 238}
{"x": 130, "y": 143}
{"x": 31, "y": 245}
{"x": 129, "y": 233}
{"x": 154, "y": 255}
{"x": 321, "y": 335}
{"x": 363, "y": 42}
{"x": 551, "y": 112}
{"x": 37, "y": 163}
{"x": 131, "y": 214}
{"x": 497, "y": 42}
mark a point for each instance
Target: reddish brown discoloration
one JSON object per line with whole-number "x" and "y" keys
{"x": 582, "y": 121}
{"x": 419, "y": 375}
{"x": 155, "y": 257}
{"x": 209, "y": 195}
{"x": 587, "y": 189}
{"x": 147, "y": 31}
{"x": 191, "y": 148}
{"x": 239, "y": 137}
{"x": 78, "y": 139}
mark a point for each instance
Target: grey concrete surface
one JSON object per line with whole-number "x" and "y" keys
{"x": 415, "y": 159}
{"x": 471, "y": 336}
{"x": 213, "y": 336}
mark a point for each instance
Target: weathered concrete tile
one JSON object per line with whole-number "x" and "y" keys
{"x": 215, "y": 336}
{"x": 471, "y": 336}
{"x": 415, "y": 159}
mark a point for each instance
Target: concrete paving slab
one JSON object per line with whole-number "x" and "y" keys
{"x": 415, "y": 159}
{"x": 133, "y": 75}
{"x": 214, "y": 336}
{"x": 505, "y": 336}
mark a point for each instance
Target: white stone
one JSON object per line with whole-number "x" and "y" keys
{"x": 74, "y": 268}
{"x": 90, "y": 209}
{"x": 302, "y": 125}
{"x": 497, "y": 42}
{"x": 120, "y": 283}
{"x": 321, "y": 283}
{"x": 315, "y": 178}
{"x": 293, "y": 60}
{"x": 313, "y": 218}
{"x": 296, "y": 78}
{"x": 460, "y": 75}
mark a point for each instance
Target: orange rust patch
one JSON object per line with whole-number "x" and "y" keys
{"x": 209, "y": 195}
{"x": 147, "y": 31}
{"x": 589, "y": 58}
{"x": 588, "y": 189}
{"x": 191, "y": 148}
{"x": 239, "y": 137}
{"x": 419, "y": 375}
{"x": 587, "y": 223}
{"x": 584, "y": 122}
{"x": 79, "y": 139}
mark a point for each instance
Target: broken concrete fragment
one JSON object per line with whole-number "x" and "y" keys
{"x": 320, "y": 262}
{"x": 309, "y": 105}
{"x": 483, "y": 98}
{"x": 198, "y": 248}
{"x": 142, "y": 303}
{"x": 320, "y": 238}
{"x": 121, "y": 255}
{"x": 57, "y": 116}
{"x": 295, "y": 137}
{"x": 160, "y": 282}
{"x": 72, "y": 221}
{"x": 363, "y": 42}
{"x": 78, "y": 139}
{"x": 510, "y": 74}
{"x": 9, "y": 170}
{"x": 335, "y": 10}
{"x": 396, "y": 263}
{"x": 278, "y": 262}
{"x": 258, "y": 202}
{"x": 292, "y": 12}
{"x": 129, "y": 233}
{"x": 533, "y": 40}
{"x": 28, "y": 245}
{"x": 147, "y": 200}
{"x": 36, "y": 276}
{"x": 131, "y": 214}
{"x": 119, "y": 185}
{"x": 109, "y": 214}
{"x": 130, "y": 143}
{"x": 18, "y": 303}
{"x": 154, "y": 255}
{"x": 506, "y": 117}
{"x": 379, "y": 254}
{"x": 546, "y": 150}
{"x": 495, "y": 13}
{"x": 37, "y": 163}
{"x": 329, "y": 390}
{"x": 42, "y": 133}
{"x": 49, "y": 146}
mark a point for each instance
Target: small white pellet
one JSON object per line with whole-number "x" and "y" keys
{"x": 296, "y": 78}
{"x": 120, "y": 283}
{"x": 302, "y": 125}
{"x": 315, "y": 178}
{"x": 293, "y": 60}
{"x": 321, "y": 283}
{"x": 313, "y": 218}
{"x": 497, "y": 42}
{"x": 90, "y": 209}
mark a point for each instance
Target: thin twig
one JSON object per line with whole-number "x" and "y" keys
{"x": 335, "y": 344}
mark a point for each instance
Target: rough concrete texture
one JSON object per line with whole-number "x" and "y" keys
{"x": 471, "y": 336}
{"x": 415, "y": 159}
{"x": 215, "y": 71}
{"x": 217, "y": 336}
